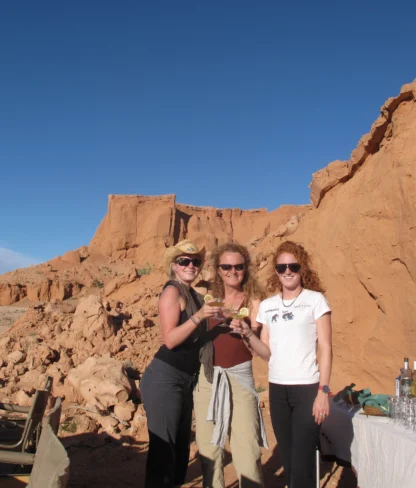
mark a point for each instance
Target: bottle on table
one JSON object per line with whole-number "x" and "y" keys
{"x": 413, "y": 383}
{"x": 398, "y": 383}
{"x": 405, "y": 379}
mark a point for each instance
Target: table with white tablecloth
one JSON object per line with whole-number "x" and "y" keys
{"x": 382, "y": 454}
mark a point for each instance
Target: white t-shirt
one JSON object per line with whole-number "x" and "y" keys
{"x": 293, "y": 337}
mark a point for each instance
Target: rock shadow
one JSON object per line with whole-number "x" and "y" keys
{"x": 103, "y": 461}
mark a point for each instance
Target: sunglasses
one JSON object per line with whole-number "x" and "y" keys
{"x": 187, "y": 261}
{"x": 228, "y": 267}
{"x": 281, "y": 268}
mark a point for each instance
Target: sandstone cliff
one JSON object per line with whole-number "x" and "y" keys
{"x": 141, "y": 228}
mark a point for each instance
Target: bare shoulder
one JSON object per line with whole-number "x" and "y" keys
{"x": 170, "y": 296}
{"x": 170, "y": 292}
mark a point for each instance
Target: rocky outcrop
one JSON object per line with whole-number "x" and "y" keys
{"x": 140, "y": 228}
{"x": 38, "y": 291}
{"x": 360, "y": 231}
{"x": 362, "y": 238}
{"x": 381, "y": 132}
{"x": 131, "y": 240}
{"x": 91, "y": 351}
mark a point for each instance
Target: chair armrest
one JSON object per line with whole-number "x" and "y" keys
{"x": 11, "y": 457}
{"x": 11, "y": 407}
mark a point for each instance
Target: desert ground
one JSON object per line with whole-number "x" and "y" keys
{"x": 100, "y": 460}
{"x": 9, "y": 315}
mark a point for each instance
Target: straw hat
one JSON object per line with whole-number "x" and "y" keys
{"x": 181, "y": 248}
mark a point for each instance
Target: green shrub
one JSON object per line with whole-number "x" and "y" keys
{"x": 144, "y": 271}
{"x": 69, "y": 427}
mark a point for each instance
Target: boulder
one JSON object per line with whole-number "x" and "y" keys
{"x": 91, "y": 320}
{"x": 101, "y": 381}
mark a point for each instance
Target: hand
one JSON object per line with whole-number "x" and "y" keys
{"x": 240, "y": 327}
{"x": 320, "y": 408}
{"x": 207, "y": 311}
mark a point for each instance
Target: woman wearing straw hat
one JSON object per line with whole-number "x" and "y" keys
{"x": 167, "y": 384}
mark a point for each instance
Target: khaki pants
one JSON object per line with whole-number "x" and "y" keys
{"x": 244, "y": 437}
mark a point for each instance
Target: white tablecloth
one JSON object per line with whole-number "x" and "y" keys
{"x": 382, "y": 454}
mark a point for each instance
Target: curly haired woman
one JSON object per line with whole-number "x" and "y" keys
{"x": 225, "y": 399}
{"x": 296, "y": 320}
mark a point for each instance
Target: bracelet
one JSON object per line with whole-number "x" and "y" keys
{"x": 249, "y": 335}
{"x": 192, "y": 317}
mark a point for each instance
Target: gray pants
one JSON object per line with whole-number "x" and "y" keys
{"x": 167, "y": 397}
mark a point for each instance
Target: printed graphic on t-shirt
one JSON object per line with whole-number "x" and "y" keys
{"x": 285, "y": 315}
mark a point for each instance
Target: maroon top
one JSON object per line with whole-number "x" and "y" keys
{"x": 229, "y": 349}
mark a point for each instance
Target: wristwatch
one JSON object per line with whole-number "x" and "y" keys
{"x": 324, "y": 388}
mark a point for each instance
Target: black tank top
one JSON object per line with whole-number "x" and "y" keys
{"x": 185, "y": 356}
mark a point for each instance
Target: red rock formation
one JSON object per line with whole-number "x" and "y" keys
{"x": 362, "y": 238}
{"x": 360, "y": 230}
{"x": 141, "y": 227}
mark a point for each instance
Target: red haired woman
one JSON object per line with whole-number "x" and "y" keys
{"x": 295, "y": 321}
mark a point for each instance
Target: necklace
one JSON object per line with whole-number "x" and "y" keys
{"x": 181, "y": 282}
{"x": 293, "y": 301}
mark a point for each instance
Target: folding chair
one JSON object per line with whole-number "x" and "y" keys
{"x": 51, "y": 466}
{"x": 50, "y": 462}
{"x": 23, "y": 435}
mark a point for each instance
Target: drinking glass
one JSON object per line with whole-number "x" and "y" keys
{"x": 216, "y": 302}
{"x": 233, "y": 313}
{"x": 409, "y": 415}
{"x": 396, "y": 409}
{"x": 390, "y": 406}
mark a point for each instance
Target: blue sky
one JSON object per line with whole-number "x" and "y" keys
{"x": 224, "y": 103}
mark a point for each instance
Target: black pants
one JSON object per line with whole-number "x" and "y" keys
{"x": 167, "y": 397}
{"x": 296, "y": 431}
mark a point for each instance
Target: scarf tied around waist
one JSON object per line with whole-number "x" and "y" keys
{"x": 219, "y": 410}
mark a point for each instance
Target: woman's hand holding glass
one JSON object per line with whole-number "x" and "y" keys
{"x": 240, "y": 326}
{"x": 215, "y": 302}
{"x": 208, "y": 311}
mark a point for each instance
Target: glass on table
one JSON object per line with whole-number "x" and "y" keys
{"x": 390, "y": 406}
{"x": 394, "y": 407}
{"x": 399, "y": 411}
{"x": 403, "y": 411}
{"x": 414, "y": 416}
{"x": 409, "y": 414}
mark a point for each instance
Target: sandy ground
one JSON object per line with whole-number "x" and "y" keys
{"x": 117, "y": 465}
{"x": 9, "y": 315}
